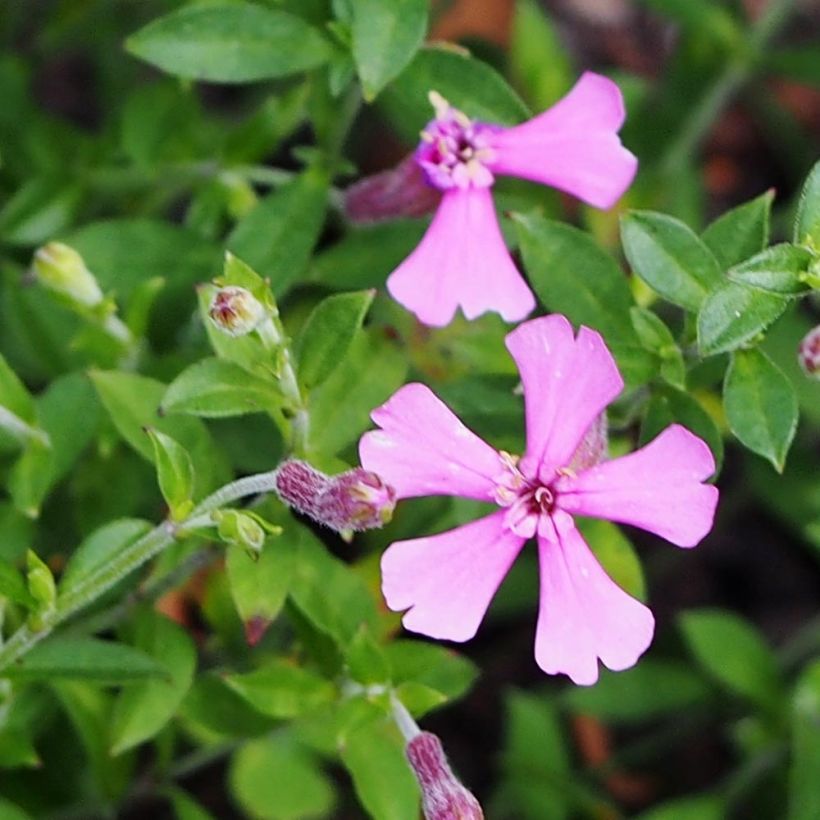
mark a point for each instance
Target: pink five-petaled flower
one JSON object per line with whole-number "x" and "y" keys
{"x": 462, "y": 259}
{"x": 446, "y": 581}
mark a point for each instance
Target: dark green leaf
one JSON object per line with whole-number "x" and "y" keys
{"x": 807, "y": 223}
{"x": 217, "y": 388}
{"x": 761, "y": 406}
{"x": 229, "y": 43}
{"x": 13, "y": 586}
{"x": 277, "y": 236}
{"x": 468, "y": 84}
{"x": 740, "y": 232}
{"x": 13, "y": 394}
{"x": 37, "y": 211}
{"x": 734, "y": 653}
{"x": 734, "y": 314}
{"x": 778, "y": 269}
{"x": 669, "y": 257}
{"x": 85, "y": 658}
{"x": 800, "y": 63}
{"x": 328, "y": 334}
{"x": 804, "y": 796}
{"x": 386, "y": 35}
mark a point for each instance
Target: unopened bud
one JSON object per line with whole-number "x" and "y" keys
{"x": 443, "y": 797}
{"x": 243, "y": 529}
{"x": 61, "y": 269}
{"x": 808, "y": 354}
{"x": 236, "y": 311}
{"x": 355, "y": 500}
{"x": 397, "y": 192}
{"x": 40, "y": 580}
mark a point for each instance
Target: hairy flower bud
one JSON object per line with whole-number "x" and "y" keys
{"x": 808, "y": 353}
{"x": 61, "y": 269}
{"x": 355, "y": 500}
{"x": 399, "y": 191}
{"x": 236, "y": 311}
{"x": 443, "y": 797}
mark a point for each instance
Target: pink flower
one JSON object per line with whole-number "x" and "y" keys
{"x": 446, "y": 581}
{"x": 462, "y": 260}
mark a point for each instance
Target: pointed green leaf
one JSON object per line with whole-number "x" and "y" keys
{"x": 669, "y": 257}
{"x": 741, "y": 232}
{"x": 229, "y": 43}
{"x": 734, "y": 314}
{"x": 328, "y": 334}
{"x": 175, "y": 473}
{"x": 807, "y": 223}
{"x": 761, "y": 406}
{"x": 13, "y": 586}
{"x": 13, "y": 394}
{"x": 778, "y": 269}
{"x": 386, "y": 35}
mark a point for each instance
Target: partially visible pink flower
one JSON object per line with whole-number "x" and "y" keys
{"x": 446, "y": 581}
{"x": 808, "y": 353}
{"x": 462, "y": 260}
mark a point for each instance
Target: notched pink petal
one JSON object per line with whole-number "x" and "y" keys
{"x": 568, "y": 383}
{"x": 446, "y": 581}
{"x": 573, "y": 146}
{"x": 423, "y": 448}
{"x": 461, "y": 261}
{"x": 657, "y": 488}
{"x": 583, "y": 614}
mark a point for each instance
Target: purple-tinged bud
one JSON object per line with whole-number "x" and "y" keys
{"x": 443, "y": 797}
{"x": 808, "y": 354}
{"x": 399, "y": 191}
{"x": 355, "y": 500}
{"x": 236, "y": 311}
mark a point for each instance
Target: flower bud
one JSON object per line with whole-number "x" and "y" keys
{"x": 399, "y": 191}
{"x": 243, "y": 529}
{"x": 61, "y": 269}
{"x": 808, "y": 353}
{"x": 355, "y": 500}
{"x": 236, "y": 311}
{"x": 40, "y": 581}
{"x": 443, "y": 797}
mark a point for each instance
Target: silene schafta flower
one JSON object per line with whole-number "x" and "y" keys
{"x": 446, "y": 581}
{"x": 462, "y": 260}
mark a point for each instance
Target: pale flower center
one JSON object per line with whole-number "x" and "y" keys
{"x": 454, "y": 150}
{"x": 527, "y": 500}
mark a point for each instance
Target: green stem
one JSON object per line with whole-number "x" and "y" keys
{"x": 738, "y": 70}
{"x": 104, "y": 577}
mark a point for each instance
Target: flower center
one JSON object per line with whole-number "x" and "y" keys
{"x": 454, "y": 150}
{"x": 527, "y": 500}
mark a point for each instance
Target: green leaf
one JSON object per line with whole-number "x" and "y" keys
{"x": 734, "y": 314}
{"x": 281, "y": 690}
{"x": 468, "y": 84}
{"x": 702, "y": 807}
{"x": 734, "y": 653}
{"x": 13, "y": 394}
{"x": 340, "y": 407}
{"x": 229, "y": 43}
{"x": 13, "y": 586}
{"x": 804, "y": 796}
{"x": 778, "y": 269}
{"x": 438, "y": 667}
{"x": 259, "y": 587}
{"x": 144, "y": 708}
{"x": 175, "y": 473}
{"x": 740, "y": 232}
{"x": 277, "y": 235}
{"x": 95, "y": 552}
{"x": 185, "y": 807}
{"x": 646, "y": 692}
{"x": 274, "y": 778}
{"x": 39, "y": 209}
{"x": 616, "y": 554}
{"x": 669, "y": 405}
{"x": 418, "y": 698}
{"x": 800, "y": 63}
{"x": 761, "y": 406}
{"x": 807, "y": 223}
{"x": 217, "y": 388}
{"x": 573, "y": 275}
{"x": 328, "y": 334}
{"x": 9, "y": 811}
{"x": 85, "y": 658}
{"x": 384, "y": 783}
{"x": 366, "y": 660}
{"x": 669, "y": 257}
{"x": 133, "y": 403}
{"x": 66, "y": 400}
{"x": 386, "y": 35}
{"x": 656, "y": 337}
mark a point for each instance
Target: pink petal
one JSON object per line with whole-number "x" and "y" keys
{"x": 584, "y": 615}
{"x": 567, "y": 384}
{"x": 446, "y": 581}
{"x": 461, "y": 261}
{"x": 573, "y": 146}
{"x": 423, "y": 448}
{"x": 657, "y": 488}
